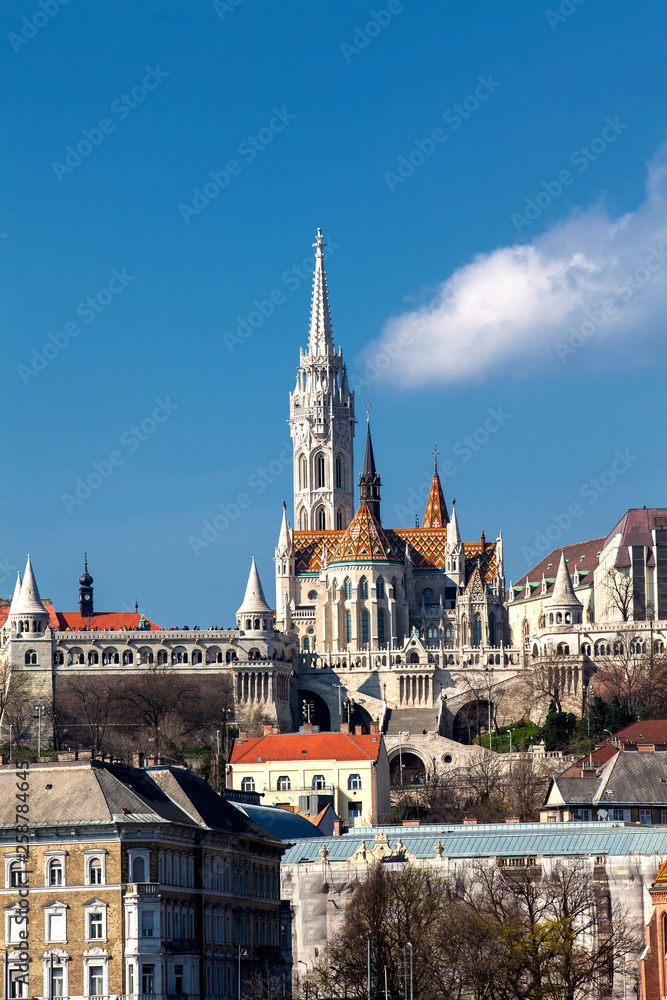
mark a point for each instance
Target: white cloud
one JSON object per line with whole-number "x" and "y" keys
{"x": 536, "y": 305}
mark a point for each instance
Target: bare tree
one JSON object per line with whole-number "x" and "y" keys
{"x": 18, "y": 706}
{"x": 89, "y": 706}
{"x": 620, "y": 592}
{"x": 630, "y": 669}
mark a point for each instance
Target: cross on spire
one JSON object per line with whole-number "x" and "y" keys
{"x": 320, "y": 340}
{"x": 435, "y": 456}
{"x": 368, "y": 413}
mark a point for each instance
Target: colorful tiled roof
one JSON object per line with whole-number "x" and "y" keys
{"x": 426, "y": 546}
{"x": 475, "y": 586}
{"x": 305, "y": 746}
{"x": 364, "y": 541}
{"x": 435, "y": 515}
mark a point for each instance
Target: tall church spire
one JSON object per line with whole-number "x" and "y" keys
{"x": 322, "y": 422}
{"x": 320, "y": 340}
{"x": 435, "y": 515}
{"x": 17, "y": 594}
{"x": 369, "y": 481}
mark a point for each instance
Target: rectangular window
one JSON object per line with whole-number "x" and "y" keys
{"x": 178, "y": 979}
{"x": 95, "y": 925}
{"x": 148, "y": 979}
{"x": 638, "y": 583}
{"x": 663, "y": 816}
{"x": 364, "y": 626}
{"x": 380, "y": 625}
{"x": 18, "y": 983}
{"x": 55, "y": 927}
{"x": 617, "y": 814}
{"x": 348, "y": 621}
{"x": 96, "y": 980}
{"x": 130, "y": 978}
{"x": 645, "y": 816}
{"x": 147, "y": 926}
{"x": 354, "y": 810}
{"x": 14, "y": 929}
{"x": 58, "y": 982}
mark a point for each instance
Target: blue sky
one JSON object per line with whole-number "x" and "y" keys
{"x": 449, "y": 227}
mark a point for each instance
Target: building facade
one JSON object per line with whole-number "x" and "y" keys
{"x": 135, "y": 882}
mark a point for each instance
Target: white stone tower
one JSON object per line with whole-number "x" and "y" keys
{"x": 285, "y": 575}
{"x": 322, "y": 422}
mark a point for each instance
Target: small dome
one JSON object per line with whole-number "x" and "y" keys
{"x": 85, "y": 579}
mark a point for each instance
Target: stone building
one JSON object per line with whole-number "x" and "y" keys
{"x": 319, "y": 876}
{"x": 48, "y": 644}
{"x": 135, "y": 882}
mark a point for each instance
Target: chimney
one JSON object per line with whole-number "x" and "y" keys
{"x": 358, "y": 730}
{"x": 470, "y": 822}
{"x": 338, "y": 828}
{"x": 410, "y": 822}
{"x": 513, "y": 819}
{"x": 243, "y": 736}
{"x": 307, "y": 727}
{"x": 345, "y": 727}
{"x": 137, "y": 760}
{"x": 483, "y": 541}
{"x": 268, "y": 730}
{"x": 375, "y": 728}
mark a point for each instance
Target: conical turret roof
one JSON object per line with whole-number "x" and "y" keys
{"x": 435, "y": 515}
{"x": 29, "y": 601}
{"x": 254, "y": 601}
{"x": 17, "y": 594}
{"x": 285, "y": 544}
{"x": 453, "y": 533}
{"x": 563, "y": 593}
{"x": 320, "y": 340}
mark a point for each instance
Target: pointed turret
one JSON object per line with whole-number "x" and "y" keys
{"x": 320, "y": 340}
{"x": 254, "y": 615}
{"x": 29, "y": 600}
{"x": 453, "y": 533}
{"x": 435, "y": 515}
{"x": 285, "y": 545}
{"x": 85, "y": 589}
{"x": 563, "y": 595}
{"x": 369, "y": 481}
{"x": 17, "y": 594}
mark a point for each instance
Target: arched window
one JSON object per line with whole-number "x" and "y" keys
{"x": 348, "y": 625}
{"x": 162, "y": 657}
{"x": 354, "y": 782}
{"x": 58, "y": 659}
{"x": 109, "y": 657}
{"x": 364, "y": 626}
{"x": 449, "y": 631}
{"x": 432, "y": 633}
{"x": 363, "y": 589}
{"x": 31, "y": 658}
{"x": 248, "y": 785}
{"x": 284, "y": 783}
{"x": 138, "y": 870}
{"x": 339, "y": 473}
{"x": 179, "y": 655}
{"x": 348, "y": 589}
{"x": 127, "y": 657}
{"x": 196, "y": 656}
{"x": 559, "y": 618}
{"x": 619, "y": 649}
{"x": 321, "y": 519}
{"x": 231, "y": 656}
{"x": 478, "y": 631}
{"x": 16, "y": 874}
{"x": 536, "y": 651}
{"x": 95, "y": 871}
{"x": 319, "y": 783}
{"x": 380, "y": 624}
{"x": 306, "y": 644}
{"x": 379, "y": 588}
{"x": 303, "y": 473}
{"x": 320, "y": 471}
{"x": 340, "y": 519}
{"x": 492, "y": 629}
{"x": 55, "y": 871}
{"x": 303, "y": 519}
{"x": 93, "y": 657}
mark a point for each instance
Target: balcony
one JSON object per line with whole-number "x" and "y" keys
{"x": 181, "y": 946}
{"x": 142, "y": 889}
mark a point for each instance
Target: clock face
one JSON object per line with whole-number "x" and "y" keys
{"x": 86, "y": 597}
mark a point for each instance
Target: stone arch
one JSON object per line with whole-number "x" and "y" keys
{"x": 471, "y": 719}
{"x": 319, "y": 714}
{"x": 415, "y": 765}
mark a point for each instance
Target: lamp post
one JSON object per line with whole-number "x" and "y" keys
{"x": 300, "y": 962}
{"x": 412, "y": 992}
{"x": 488, "y": 684}
{"x": 242, "y": 954}
{"x": 39, "y": 709}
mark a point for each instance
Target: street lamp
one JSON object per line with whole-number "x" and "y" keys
{"x": 488, "y": 684}
{"x": 39, "y": 709}
{"x": 300, "y": 962}
{"x": 412, "y": 992}
{"x": 242, "y": 954}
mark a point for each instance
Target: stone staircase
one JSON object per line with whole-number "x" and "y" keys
{"x": 410, "y": 720}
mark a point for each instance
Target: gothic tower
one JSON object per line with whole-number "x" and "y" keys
{"x": 322, "y": 422}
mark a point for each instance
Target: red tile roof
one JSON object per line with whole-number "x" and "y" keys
{"x": 104, "y": 621}
{"x": 317, "y": 746}
{"x": 649, "y": 732}
{"x": 582, "y": 556}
